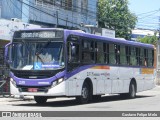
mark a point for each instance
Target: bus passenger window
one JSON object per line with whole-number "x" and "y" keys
{"x": 145, "y": 57}
{"x": 112, "y": 59}
{"x": 138, "y": 56}
{"x": 150, "y": 58}
{"x": 142, "y": 57}
{"x": 73, "y": 52}
{"x": 123, "y": 59}
{"x": 117, "y": 54}
{"x": 88, "y": 45}
{"x": 88, "y": 57}
{"x": 133, "y": 60}
{"x": 128, "y": 52}
{"x": 106, "y": 52}
{"x": 99, "y": 52}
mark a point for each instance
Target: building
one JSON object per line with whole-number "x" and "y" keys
{"x": 142, "y": 33}
{"x": 69, "y": 14}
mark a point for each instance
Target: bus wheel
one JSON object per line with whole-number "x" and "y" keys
{"x": 40, "y": 99}
{"x": 132, "y": 91}
{"x": 85, "y": 94}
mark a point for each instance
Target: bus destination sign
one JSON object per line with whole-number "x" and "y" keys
{"x": 42, "y": 34}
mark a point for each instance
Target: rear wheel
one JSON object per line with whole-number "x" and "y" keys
{"x": 132, "y": 91}
{"x": 85, "y": 94}
{"x": 40, "y": 99}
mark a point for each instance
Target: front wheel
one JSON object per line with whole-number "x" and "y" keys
{"x": 85, "y": 94}
{"x": 40, "y": 99}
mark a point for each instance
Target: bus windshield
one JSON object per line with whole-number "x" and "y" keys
{"x": 37, "y": 56}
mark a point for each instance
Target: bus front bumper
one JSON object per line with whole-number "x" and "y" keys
{"x": 58, "y": 90}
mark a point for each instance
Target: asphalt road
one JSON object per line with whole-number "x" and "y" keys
{"x": 145, "y": 101}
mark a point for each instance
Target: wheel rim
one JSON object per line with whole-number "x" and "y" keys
{"x": 85, "y": 93}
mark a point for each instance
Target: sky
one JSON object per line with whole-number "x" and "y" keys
{"x": 147, "y": 11}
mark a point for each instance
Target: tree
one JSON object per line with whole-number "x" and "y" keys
{"x": 114, "y": 14}
{"x": 149, "y": 39}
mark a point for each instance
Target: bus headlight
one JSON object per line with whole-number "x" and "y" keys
{"x": 13, "y": 82}
{"x": 60, "y": 80}
{"x": 57, "y": 82}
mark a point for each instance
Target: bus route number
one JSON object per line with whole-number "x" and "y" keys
{"x": 90, "y": 73}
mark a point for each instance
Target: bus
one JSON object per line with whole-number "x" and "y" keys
{"x": 53, "y": 62}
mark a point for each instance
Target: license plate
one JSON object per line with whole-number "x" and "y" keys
{"x": 32, "y": 89}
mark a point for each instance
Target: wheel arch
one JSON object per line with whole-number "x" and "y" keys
{"x": 89, "y": 82}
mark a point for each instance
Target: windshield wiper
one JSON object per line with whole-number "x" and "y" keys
{"x": 41, "y": 50}
{"x": 46, "y": 45}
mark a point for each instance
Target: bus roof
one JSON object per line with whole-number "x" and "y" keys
{"x": 115, "y": 40}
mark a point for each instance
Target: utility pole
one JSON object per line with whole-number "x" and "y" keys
{"x": 158, "y": 57}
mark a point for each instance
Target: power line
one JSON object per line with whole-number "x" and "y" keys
{"x": 18, "y": 8}
{"x": 148, "y": 12}
{"x": 11, "y": 9}
{"x": 47, "y": 13}
{"x": 149, "y": 15}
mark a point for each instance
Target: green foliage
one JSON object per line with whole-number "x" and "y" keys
{"x": 149, "y": 39}
{"x": 114, "y": 14}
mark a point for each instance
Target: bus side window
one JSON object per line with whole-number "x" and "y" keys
{"x": 133, "y": 60}
{"x": 73, "y": 52}
{"x": 142, "y": 57}
{"x": 99, "y": 52}
{"x": 87, "y": 51}
{"x": 117, "y": 54}
{"x": 112, "y": 59}
{"x": 123, "y": 59}
{"x": 138, "y": 56}
{"x": 145, "y": 57}
{"x": 106, "y": 52}
{"x": 150, "y": 58}
{"x": 128, "y": 52}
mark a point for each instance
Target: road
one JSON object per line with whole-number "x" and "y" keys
{"x": 145, "y": 101}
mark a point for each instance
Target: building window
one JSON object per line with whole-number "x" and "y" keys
{"x": 67, "y": 4}
{"x": 84, "y": 6}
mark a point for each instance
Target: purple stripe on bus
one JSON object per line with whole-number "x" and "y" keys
{"x": 37, "y": 82}
{"x": 79, "y": 70}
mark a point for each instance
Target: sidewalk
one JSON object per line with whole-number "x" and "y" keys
{"x": 15, "y": 98}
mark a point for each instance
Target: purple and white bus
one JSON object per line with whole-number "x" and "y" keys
{"x": 47, "y": 63}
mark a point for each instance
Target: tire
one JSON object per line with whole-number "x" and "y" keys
{"x": 132, "y": 91}
{"x": 85, "y": 94}
{"x": 40, "y": 99}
